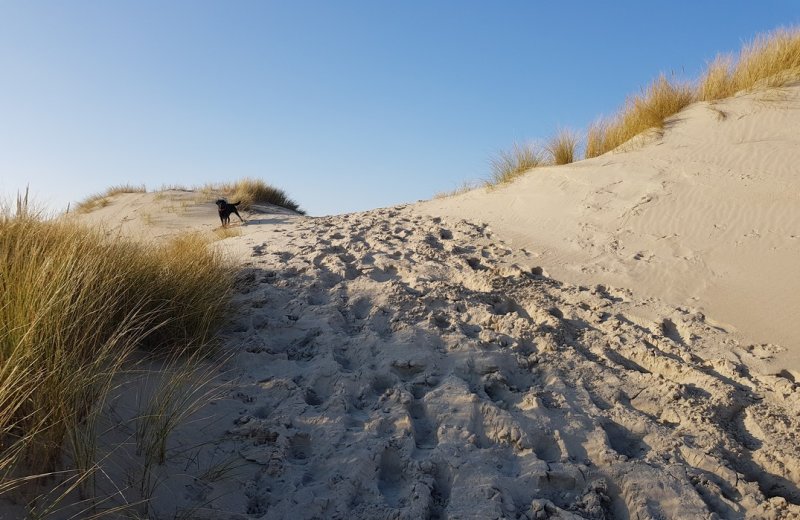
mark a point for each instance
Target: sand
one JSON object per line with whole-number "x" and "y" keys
{"x": 613, "y": 339}
{"x": 706, "y": 217}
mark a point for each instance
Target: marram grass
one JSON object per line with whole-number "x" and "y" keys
{"x": 254, "y": 191}
{"x": 507, "y": 165}
{"x": 73, "y": 306}
{"x": 101, "y": 200}
{"x": 770, "y": 60}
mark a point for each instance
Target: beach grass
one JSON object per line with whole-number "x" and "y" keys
{"x": 254, "y": 191}
{"x": 101, "y": 200}
{"x": 509, "y": 164}
{"x": 650, "y": 109}
{"x": 563, "y": 147}
{"x": 74, "y": 306}
{"x": 770, "y": 60}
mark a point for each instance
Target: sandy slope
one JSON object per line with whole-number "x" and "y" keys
{"x": 566, "y": 360}
{"x": 393, "y": 365}
{"x": 708, "y": 217}
{"x": 398, "y": 366}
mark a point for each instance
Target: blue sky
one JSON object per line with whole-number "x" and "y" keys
{"x": 346, "y": 105}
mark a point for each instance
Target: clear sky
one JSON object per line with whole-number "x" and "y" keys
{"x": 347, "y": 105}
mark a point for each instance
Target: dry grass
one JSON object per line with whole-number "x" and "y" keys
{"x": 221, "y": 233}
{"x": 254, "y": 191}
{"x": 650, "y": 109}
{"x": 73, "y": 306}
{"x": 464, "y": 187}
{"x": 100, "y": 200}
{"x": 716, "y": 82}
{"x": 507, "y": 165}
{"x": 770, "y": 60}
{"x": 562, "y": 147}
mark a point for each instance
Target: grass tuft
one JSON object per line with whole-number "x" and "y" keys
{"x": 717, "y": 82}
{"x": 462, "y": 188}
{"x": 650, "y": 109}
{"x": 255, "y": 191}
{"x": 507, "y": 165}
{"x": 562, "y": 147}
{"x": 770, "y": 60}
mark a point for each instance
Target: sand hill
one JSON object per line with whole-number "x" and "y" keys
{"x": 706, "y": 218}
{"x": 617, "y": 338}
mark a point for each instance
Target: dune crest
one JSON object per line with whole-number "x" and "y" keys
{"x": 705, "y": 217}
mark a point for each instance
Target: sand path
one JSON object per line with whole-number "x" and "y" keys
{"x": 390, "y": 365}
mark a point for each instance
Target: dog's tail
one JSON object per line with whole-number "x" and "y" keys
{"x": 236, "y": 203}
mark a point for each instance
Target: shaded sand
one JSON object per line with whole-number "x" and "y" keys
{"x": 706, "y": 218}
{"x": 388, "y": 364}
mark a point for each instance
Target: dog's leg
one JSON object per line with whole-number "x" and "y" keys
{"x": 237, "y": 214}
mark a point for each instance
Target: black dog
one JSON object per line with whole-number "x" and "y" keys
{"x": 225, "y": 210}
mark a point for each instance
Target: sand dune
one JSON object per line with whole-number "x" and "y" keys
{"x": 706, "y": 217}
{"x": 600, "y": 340}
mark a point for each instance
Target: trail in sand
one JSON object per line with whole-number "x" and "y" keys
{"x": 396, "y": 366}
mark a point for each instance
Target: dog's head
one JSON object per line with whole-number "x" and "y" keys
{"x": 221, "y": 203}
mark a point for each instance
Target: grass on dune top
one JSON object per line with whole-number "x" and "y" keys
{"x": 248, "y": 190}
{"x": 255, "y": 191}
{"x": 770, "y": 60}
{"x": 73, "y": 306}
{"x": 101, "y": 200}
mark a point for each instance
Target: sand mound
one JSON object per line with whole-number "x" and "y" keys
{"x": 164, "y": 214}
{"x": 707, "y": 217}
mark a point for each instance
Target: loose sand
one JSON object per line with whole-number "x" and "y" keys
{"x": 593, "y": 341}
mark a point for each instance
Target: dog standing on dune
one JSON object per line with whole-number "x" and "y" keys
{"x": 225, "y": 210}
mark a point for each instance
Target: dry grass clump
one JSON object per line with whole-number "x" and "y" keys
{"x": 507, "y": 165}
{"x": 650, "y": 109}
{"x": 464, "y": 187}
{"x": 716, "y": 82}
{"x": 100, "y": 200}
{"x": 73, "y": 306}
{"x": 770, "y": 60}
{"x": 254, "y": 191}
{"x": 562, "y": 147}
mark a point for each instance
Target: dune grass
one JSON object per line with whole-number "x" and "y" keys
{"x": 770, "y": 60}
{"x": 254, "y": 191}
{"x": 74, "y": 305}
{"x": 509, "y": 164}
{"x": 101, "y": 200}
{"x": 458, "y": 190}
{"x": 650, "y": 109}
{"x": 563, "y": 147}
